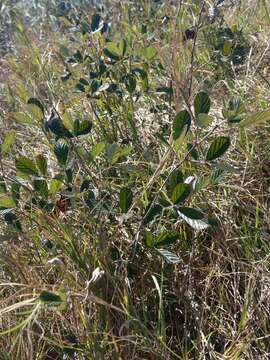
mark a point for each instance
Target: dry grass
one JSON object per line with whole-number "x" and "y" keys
{"x": 214, "y": 303}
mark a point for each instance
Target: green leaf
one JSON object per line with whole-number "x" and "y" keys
{"x": 61, "y": 150}
{"x": 69, "y": 173}
{"x": 125, "y": 198}
{"x": 95, "y": 22}
{"x": 123, "y": 47}
{"x": 22, "y": 118}
{"x": 256, "y": 119}
{"x": 166, "y": 238}
{"x": 130, "y": 82}
{"x": 175, "y": 178}
{"x": 85, "y": 185}
{"x": 36, "y": 102}
{"x": 50, "y": 298}
{"x": 12, "y": 219}
{"x": 67, "y": 120}
{"x": 169, "y": 256}
{"x": 81, "y": 127}
{"x": 26, "y": 166}
{"x": 116, "y": 152}
{"x": 35, "y": 108}
{"x": 7, "y": 202}
{"x": 235, "y": 111}
{"x": 150, "y": 53}
{"x": 7, "y": 142}
{"x": 80, "y": 87}
{"x": 149, "y": 239}
{"x": 90, "y": 199}
{"x": 202, "y": 103}
{"x": 55, "y": 185}
{"x": 56, "y": 125}
{"x": 15, "y": 192}
{"x": 193, "y": 152}
{"x": 204, "y": 120}
{"x": 41, "y": 187}
{"x": 218, "y": 147}
{"x": 152, "y": 213}
{"x": 112, "y": 51}
{"x": 227, "y": 47}
{"x": 181, "y": 121}
{"x": 41, "y": 162}
{"x": 97, "y": 150}
{"x": 64, "y": 51}
{"x": 193, "y": 217}
{"x": 180, "y": 193}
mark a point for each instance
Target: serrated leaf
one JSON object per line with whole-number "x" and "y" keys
{"x": 26, "y": 166}
{"x": 22, "y": 118}
{"x": 61, "y": 150}
{"x": 166, "y": 238}
{"x": 7, "y": 202}
{"x": 130, "y": 82}
{"x": 97, "y": 150}
{"x": 41, "y": 162}
{"x": 56, "y": 125}
{"x": 150, "y": 53}
{"x": 256, "y": 119}
{"x": 175, "y": 178}
{"x": 125, "y": 199}
{"x": 116, "y": 152}
{"x": 218, "y": 147}
{"x": 50, "y": 298}
{"x": 112, "y": 51}
{"x": 36, "y": 102}
{"x": 55, "y": 185}
{"x": 67, "y": 120}
{"x": 181, "y": 122}
{"x": 204, "y": 120}
{"x": 180, "y": 193}
{"x": 81, "y": 127}
{"x": 95, "y": 22}
{"x": 193, "y": 217}
{"x": 7, "y": 142}
{"x": 35, "y": 108}
{"x": 152, "y": 213}
{"x": 123, "y": 47}
{"x": 202, "y": 103}
{"x": 41, "y": 186}
{"x": 169, "y": 256}
{"x": 193, "y": 152}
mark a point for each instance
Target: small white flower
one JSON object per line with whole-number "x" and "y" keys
{"x": 96, "y": 275}
{"x": 55, "y": 261}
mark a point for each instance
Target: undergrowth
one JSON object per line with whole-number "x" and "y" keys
{"x": 134, "y": 180}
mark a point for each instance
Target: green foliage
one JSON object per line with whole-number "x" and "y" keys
{"x": 217, "y": 148}
{"x": 202, "y": 103}
{"x": 181, "y": 122}
{"x": 180, "y": 193}
{"x": 7, "y": 142}
{"x": 61, "y": 150}
{"x": 120, "y": 178}
{"x": 125, "y": 198}
{"x": 26, "y": 166}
